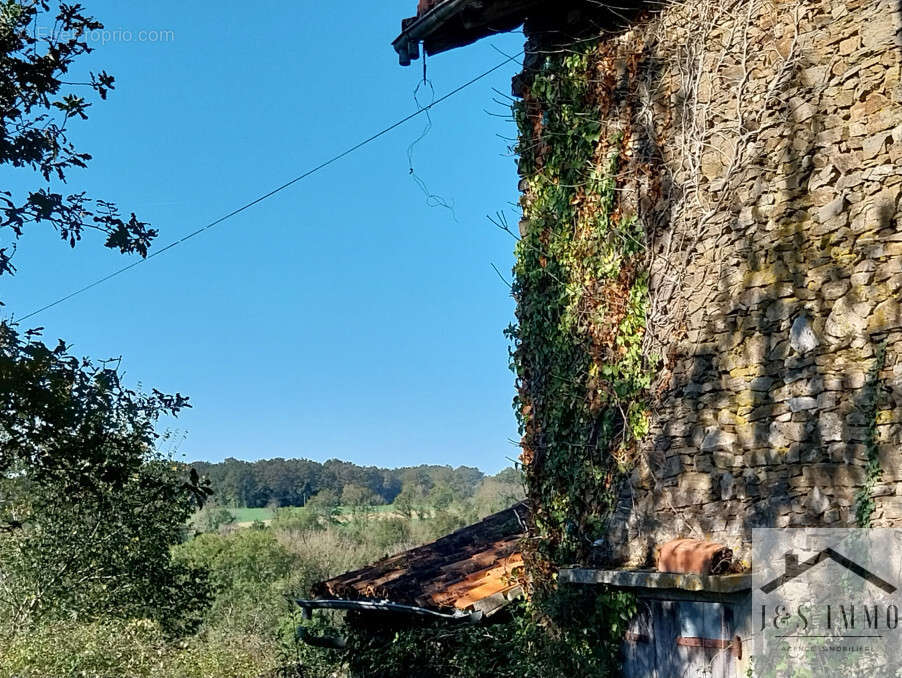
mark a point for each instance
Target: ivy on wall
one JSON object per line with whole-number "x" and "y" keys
{"x": 864, "y": 499}
{"x": 581, "y": 290}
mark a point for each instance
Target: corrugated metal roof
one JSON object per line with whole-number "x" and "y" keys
{"x": 476, "y": 567}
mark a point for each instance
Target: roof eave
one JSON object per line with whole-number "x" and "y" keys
{"x": 417, "y": 29}
{"x": 455, "y": 23}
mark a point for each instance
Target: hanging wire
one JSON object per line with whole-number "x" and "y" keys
{"x": 432, "y": 199}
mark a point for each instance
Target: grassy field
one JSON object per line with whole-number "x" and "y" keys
{"x": 249, "y": 515}
{"x": 383, "y": 508}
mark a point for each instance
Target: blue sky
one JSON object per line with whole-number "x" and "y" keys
{"x": 343, "y": 318}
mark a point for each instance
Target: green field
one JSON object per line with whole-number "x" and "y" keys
{"x": 381, "y": 508}
{"x": 249, "y": 515}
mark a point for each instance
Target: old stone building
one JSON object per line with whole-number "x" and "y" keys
{"x": 709, "y": 289}
{"x": 761, "y": 153}
{"x": 776, "y": 270}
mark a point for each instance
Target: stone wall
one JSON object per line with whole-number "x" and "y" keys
{"x": 766, "y": 165}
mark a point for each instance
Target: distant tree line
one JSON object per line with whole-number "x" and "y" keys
{"x": 293, "y": 482}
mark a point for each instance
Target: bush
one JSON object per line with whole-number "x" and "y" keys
{"x": 102, "y": 551}
{"x": 245, "y": 556}
{"x": 250, "y": 629}
{"x": 249, "y": 571}
{"x": 320, "y": 554}
{"x": 571, "y": 634}
{"x": 137, "y": 649}
{"x": 388, "y": 533}
{"x": 297, "y": 519}
{"x": 210, "y": 518}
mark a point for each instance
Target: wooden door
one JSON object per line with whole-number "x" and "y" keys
{"x": 681, "y": 639}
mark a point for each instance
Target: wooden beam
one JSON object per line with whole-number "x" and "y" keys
{"x": 638, "y": 579}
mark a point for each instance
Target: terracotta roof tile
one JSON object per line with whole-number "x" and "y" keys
{"x": 454, "y": 572}
{"x": 425, "y": 5}
{"x": 695, "y": 556}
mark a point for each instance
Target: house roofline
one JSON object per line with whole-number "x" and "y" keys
{"x": 417, "y": 29}
{"x": 455, "y": 23}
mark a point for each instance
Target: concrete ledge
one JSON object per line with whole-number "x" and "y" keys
{"x": 647, "y": 579}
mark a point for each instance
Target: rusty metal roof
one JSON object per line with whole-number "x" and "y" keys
{"x": 474, "y": 568}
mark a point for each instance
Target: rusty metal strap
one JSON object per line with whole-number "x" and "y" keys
{"x": 735, "y": 645}
{"x": 631, "y": 637}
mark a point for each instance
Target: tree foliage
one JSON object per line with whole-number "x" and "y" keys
{"x": 101, "y": 551}
{"x": 38, "y": 44}
{"x": 88, "y": 508}
{"x": 293, "y": 482}
{"x": 581, "y": 289}
{"x": 577, "y": 635}
{"x": 68, "y": 420}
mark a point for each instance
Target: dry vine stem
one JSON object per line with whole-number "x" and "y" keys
{"x": 715, "y": 125}
{"x": 698, "y": 99}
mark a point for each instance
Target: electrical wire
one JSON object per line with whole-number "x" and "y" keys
{"x": 273, "y": 192}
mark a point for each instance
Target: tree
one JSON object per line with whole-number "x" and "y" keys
{"x": 441, "y": 496}
{"x": 211, "y": 517}
{"x": 498, "y": 492}
{"x": 65, "y": 419}
{"x": 88, "y": 509}
{"x": 37, "y": 104}
{"x": 101, "y": 551}
{"x": 511, "y": 475}
{"x": 60, "y": 418}
{"x": 324, "y": 505}
{"x": 409, "y": 500}
{"x": 358, "y": 497}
